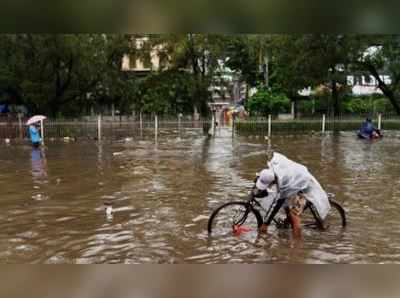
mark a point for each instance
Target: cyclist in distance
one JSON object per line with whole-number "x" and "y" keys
{"x": 295, "y": 186}
{"x": 368, "y": 131}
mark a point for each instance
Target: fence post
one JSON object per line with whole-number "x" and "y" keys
{"x": 323, "y": 123}
{"x": 141, "y": 124}
{"x": 233, "y": 126}
{"x": 156, "y": 126}
{"x": 99, "y": 128}
{"x": 379, "y": 121}
{"x": 269, "y": 124}
{"x": 212, "y": 128}
{"x": 113, "y": 111}
{"x": 292, "y": 110}
{"x": 42, "y": 131}
{"x": 20, "y": 125}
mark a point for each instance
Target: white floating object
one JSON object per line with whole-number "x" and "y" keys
{"x": 109, "y": 211}
{"x": 128, "y": 139}
{"x": 117, "y": 153}
{"x": 200, "y": 217}
{"x": 7, "y": 141}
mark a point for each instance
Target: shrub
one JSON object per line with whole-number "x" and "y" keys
{"x": 266, "y": 102}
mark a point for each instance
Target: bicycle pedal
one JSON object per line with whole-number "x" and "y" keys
{"x": 282, "y": 224}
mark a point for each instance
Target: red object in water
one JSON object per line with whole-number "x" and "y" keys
{"x": 237, "y": 230}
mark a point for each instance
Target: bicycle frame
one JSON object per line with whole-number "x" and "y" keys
{"x": 275, "y": 206}
{"x": 273, "y": 209}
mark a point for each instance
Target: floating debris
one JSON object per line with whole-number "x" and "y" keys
{"x": 200, "y": 217}
{"x": 109, "y": 209}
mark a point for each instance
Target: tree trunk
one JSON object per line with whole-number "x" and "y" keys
{"x": 335, "y": 99}
{"x": 384, "y": 88}
{"x": 266, "y": 70}
{"x": 54, "y": 108}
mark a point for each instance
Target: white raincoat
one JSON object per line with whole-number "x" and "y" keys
{"x": 293, "y": 178}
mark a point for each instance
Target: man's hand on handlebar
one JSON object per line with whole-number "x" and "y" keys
{"x": 258, "y": 193}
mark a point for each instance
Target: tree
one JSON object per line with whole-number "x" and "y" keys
{"x": 380, "y": 54}
{"x": 291, "y": 63}
{"x": 197, "y": 54}
{"x": 311, "y": 60}
{"x": 266, "y": 102}
{"x": 56, "y": 73}
{"x": 242, "y": 57}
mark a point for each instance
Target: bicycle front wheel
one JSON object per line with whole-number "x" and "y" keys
{"x": 231, "y": 214}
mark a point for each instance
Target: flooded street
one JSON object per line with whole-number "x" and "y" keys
{"x": 163, "y": 193}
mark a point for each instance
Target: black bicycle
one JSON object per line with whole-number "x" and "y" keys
{"x": 249, "y": 212}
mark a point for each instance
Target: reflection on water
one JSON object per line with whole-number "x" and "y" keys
{"x": 162, "y": 194}
{"x": 39, "y": 166}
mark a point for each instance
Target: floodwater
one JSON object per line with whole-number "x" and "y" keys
{"x": 52, "y": 200}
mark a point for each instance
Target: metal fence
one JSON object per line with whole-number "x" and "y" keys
{"x": 270, "y": 125}
{"x": 99, "y": 128}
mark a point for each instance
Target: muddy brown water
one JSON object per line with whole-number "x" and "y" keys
{"x": 51, "y": 202}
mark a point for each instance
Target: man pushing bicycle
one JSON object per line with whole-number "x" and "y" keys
{"x": 295, "y": 186}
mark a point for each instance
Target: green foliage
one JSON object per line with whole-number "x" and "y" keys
{"x": 55, "y": 73}
{"x": 196, "y": 54}
{"x": 65, "y": 75}
{"x": 358, "y": 106}
{"x": 266, "y": 102}
{"x": 169, "y": 92}
{"x": 243, "y": 55}
{"x": 367, "y": 105}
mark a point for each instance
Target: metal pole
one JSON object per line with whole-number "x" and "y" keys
{"x": 269, "y": 124}
{"x": 292, "y": 110}
{"x": 156, "y": 126}
{"x": 42, "y": 131}
{"x": 323, "y": 123}
{"x": 113, "y": 111}
{"x": 380, "y": 121}
{"x": 212, "y": 128}
{"x": 20, "y": 125}
{"x": 141, "y": 124}
{"x": 99, "y": 127}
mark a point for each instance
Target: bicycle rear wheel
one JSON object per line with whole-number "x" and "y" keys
{"x": 336, "y": 218}
{"x": 231, "y": 214}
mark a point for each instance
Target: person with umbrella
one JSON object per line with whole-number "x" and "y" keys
{"x": 34, "y": 133}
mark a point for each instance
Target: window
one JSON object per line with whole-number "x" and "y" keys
{"x": 163, "y": 62}
{"x": 146, "y": 60}
{"x": 132, "y": 61}
{"x": 350, "y": 80}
